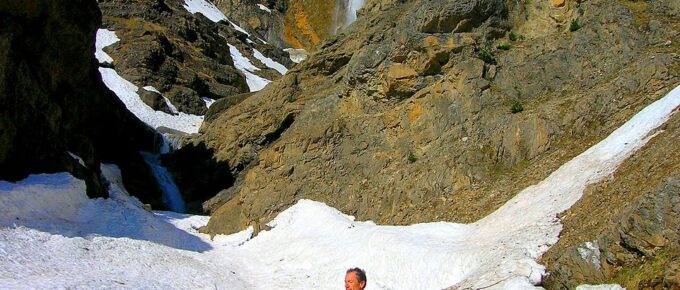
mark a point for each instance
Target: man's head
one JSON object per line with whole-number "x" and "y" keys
{"x": 355, "y": 279}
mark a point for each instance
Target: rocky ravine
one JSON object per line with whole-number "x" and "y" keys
{"x": 442, "y": 110}
{"x": 53, "y": 102}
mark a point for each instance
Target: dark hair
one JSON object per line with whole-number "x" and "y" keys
{"x": 361, "y": 274}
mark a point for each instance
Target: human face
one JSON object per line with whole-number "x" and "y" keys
{"x": 352, "y": 282}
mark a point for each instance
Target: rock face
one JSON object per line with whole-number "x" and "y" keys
{"x": 265, "y": 18}
{"x": 410, "y": 114}
{"x": 52, "y": 99}
{"x": 185, "y": 56}
{"x": 180, "y": 54}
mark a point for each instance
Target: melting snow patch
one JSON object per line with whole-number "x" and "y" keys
{"x": 264, "y": 8}
{"x": 127, "y": 92}
{"x": 104, "y": 38}
{"x": 590, "y": 252}
{"x": 297, "y": 55}
{"x": 270, "y": 62}
{"x": 76, "y": 157}
{"x": 243, "y": 64}
{"x": 172, "y": 107}
{"x": 208, "y": 101}
{"x": 206, "y": 8}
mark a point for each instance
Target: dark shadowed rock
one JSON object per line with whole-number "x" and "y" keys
{"x": 154, "y": 100}
{"x": 52, "y": 99}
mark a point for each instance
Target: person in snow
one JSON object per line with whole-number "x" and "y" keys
{"x": 355, "y": 279}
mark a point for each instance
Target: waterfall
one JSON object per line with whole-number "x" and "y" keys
{"x": 345, "y": 13}
{"x": 352, "y": 7}
{"x": 171, "y": 196}
{"x": 171, "y": 142}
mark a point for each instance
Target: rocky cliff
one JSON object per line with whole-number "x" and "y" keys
{"x": 442, "y": 110}
{"x": 180, "y": 54}
{"x": 54, "y": 107}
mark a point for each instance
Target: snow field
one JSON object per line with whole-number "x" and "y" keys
{"x": 54, "y": 237}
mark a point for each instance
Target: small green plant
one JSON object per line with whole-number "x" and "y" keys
{"x": 412, "y": 158}
{"x": 291, "y": 98}
{"x": 503, "y": 46}
{"x": 512, "y": 36}
{"x": 574, "y": 25}
{"x": 486, "y": 54}
{"x": 517, "y": 107}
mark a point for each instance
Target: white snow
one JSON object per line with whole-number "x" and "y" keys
{"x": 590, "y": 252}
{"x": 208, "y": 101}
{"x": 172, "y": 107}
{"x": 210, "y": 11}
{"x": 206, "y": 8}
{"x": 54, "y": 237}
{"x": 104, "y": 38}
{"x": 127, "y": 92}
{"x": 264, "y": 8}
{"x": 243, "y": 64}
{"x": 297, "y": 55}
{"x": 270, "y": 62}
{"x": 76, "y": 157}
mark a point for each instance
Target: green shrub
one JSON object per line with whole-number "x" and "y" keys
{"x": 574, "y": 25}
{"x": 412, "y": 158}
{"x": 503, "y": 46}
{"x": 291, "y": 98}
{"x": 512, "y": 36}
{"x": 517, "y": 107}
{"x": 486, "y": 54}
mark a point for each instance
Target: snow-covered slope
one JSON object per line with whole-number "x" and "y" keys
{"x": 127, "y": 93}
{"x": 54, "y": 237}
